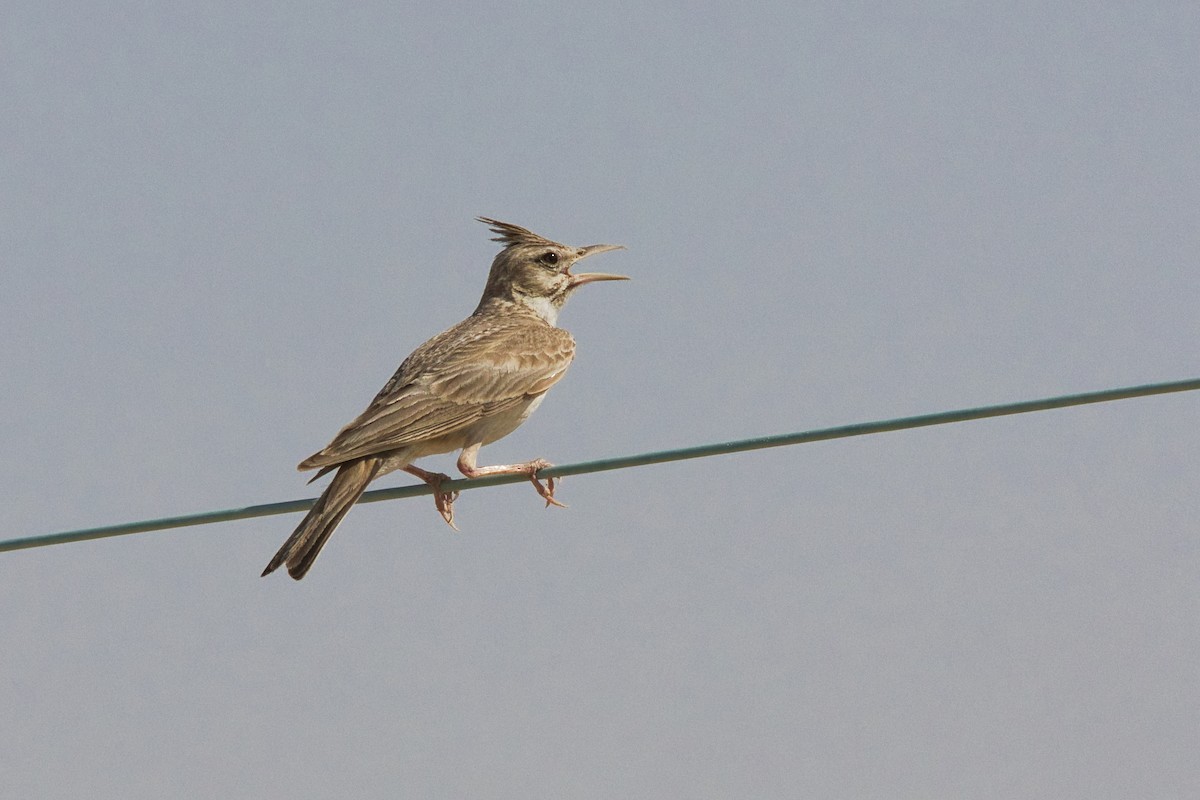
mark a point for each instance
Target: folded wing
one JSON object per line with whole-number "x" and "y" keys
{"x": 450, "y": 383}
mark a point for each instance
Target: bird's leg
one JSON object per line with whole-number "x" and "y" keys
{"x": 466, "y": 465}
{"x": 443, "y": 500}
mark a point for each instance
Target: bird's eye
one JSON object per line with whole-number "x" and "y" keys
{"x": 549, "y": 258}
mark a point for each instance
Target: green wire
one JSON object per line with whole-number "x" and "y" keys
{"x": 620, "y": 462}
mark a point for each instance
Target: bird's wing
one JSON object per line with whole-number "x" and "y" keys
{"x": 442, "y": 389}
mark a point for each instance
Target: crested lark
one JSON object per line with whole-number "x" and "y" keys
{"x": 464, "y": 388}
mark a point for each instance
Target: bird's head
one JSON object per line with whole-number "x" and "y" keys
{"x": 534, "y": 272}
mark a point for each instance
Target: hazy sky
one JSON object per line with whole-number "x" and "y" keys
{"x": 223, "y": 226}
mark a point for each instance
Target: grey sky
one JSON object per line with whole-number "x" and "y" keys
{"x": 222, "y": 227}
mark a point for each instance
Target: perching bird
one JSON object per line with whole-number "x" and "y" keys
{"x": 464, "y": 388}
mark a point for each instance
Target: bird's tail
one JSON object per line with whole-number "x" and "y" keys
{"x": 304, "y": 545}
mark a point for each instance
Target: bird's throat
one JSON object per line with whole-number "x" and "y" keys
{"x": 544, "y": 307}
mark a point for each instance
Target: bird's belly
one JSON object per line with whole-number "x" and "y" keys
{"x": 497, "y": 426}
{"x": 485, "y": 431}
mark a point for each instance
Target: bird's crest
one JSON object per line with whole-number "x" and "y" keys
{"x": 510, "y": 234}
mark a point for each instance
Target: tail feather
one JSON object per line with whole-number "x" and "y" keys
{"x": 302, "y": 547}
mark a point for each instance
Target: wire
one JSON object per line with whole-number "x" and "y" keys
{"x": 620, "y": 462}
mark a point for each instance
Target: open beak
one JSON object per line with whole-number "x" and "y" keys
{"x": 590, "y": 277}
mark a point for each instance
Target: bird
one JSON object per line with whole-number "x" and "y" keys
{"x": 467, "y": 387}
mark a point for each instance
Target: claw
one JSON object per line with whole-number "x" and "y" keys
{"x": 547, "y": 490}
{"x": 445, "y": 506}
{"x": 443, "y": 500}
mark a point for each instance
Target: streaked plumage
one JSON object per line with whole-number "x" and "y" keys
{"x": 463, "y": 389}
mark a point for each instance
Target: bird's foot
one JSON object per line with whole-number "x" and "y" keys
{"x": 443, "y": 500}
{"x": 547, "y": 490}
{"x": 445, "y": 506}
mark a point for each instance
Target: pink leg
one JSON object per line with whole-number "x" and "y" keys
{"x": 466, "y": 465}
{"x": 443, "y": 500}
